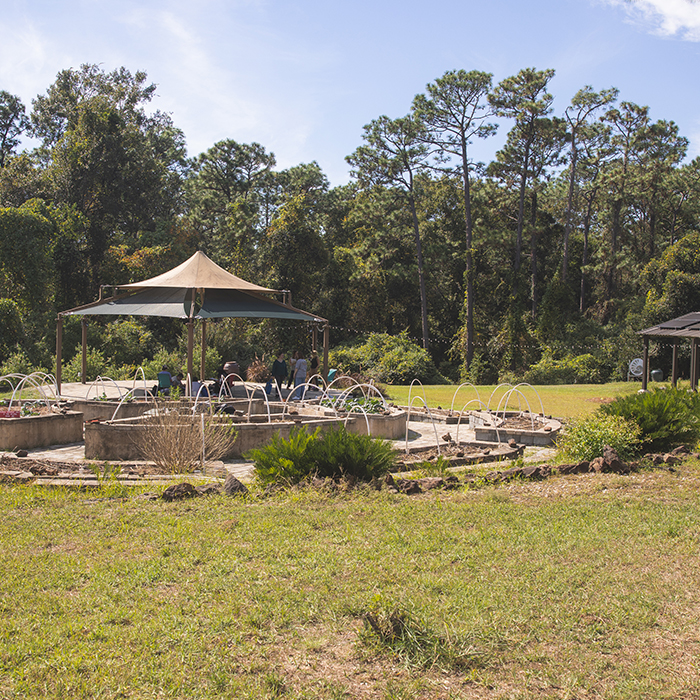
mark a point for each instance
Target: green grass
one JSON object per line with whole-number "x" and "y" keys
{"x": 576, "y": 587}
{"x": 561, "y": 401}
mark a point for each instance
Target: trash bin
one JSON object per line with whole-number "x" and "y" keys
{"x": 657, "y": 375}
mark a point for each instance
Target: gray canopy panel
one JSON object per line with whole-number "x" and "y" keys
{"x": 175, "y": 303}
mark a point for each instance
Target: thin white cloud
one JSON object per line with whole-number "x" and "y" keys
{"x": 680, "y": 18}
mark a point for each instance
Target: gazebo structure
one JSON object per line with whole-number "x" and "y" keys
{"x": 198, "y": 289}
{"x": 685, "y": 327}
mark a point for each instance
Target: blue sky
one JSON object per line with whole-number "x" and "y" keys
{"x": 302, "y": 77}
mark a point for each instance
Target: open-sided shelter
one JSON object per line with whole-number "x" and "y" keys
{"x": 685, "y": 327}
{"x": 198, "y": 289}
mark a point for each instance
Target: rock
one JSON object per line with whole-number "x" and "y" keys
{"x": 43, "y": 470}
{"x": 537, "y": 472}
{"x": 512, "y": 473}
{"x": 610, "y": 462}
{"x": 680, "y": 450}
{"x": 431, "y": 482}
{"x": 21, "y": 453}
{"x": 512, "y": 443}
{"x": 408, "y": 486}
{"x": 233, "y": 487}
{"x": 447, "y": 437}
{"x": 178, "y": 492}
{"x": 389, "y": 480}
{"x": 208, "y": 489}
{"x": 671, "y": 459}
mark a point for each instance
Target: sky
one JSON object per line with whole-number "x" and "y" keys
{"x": 302, "y": 77}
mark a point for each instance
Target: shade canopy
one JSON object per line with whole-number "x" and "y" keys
{"x": 196, "y": 289}
{"x": 198, "y": 272}
{"x": 177, "y": 303}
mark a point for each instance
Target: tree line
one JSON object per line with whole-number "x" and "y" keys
{"x": 541, "y": 263}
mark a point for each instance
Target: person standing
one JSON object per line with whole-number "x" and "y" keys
{"x": 300, "y": 369}
{"x": 279, "y": 372}
{"x": 313, "y": 366}
{"x": 292, "y": 362}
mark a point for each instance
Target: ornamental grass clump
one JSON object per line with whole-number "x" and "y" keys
{"x": 336, "y": 453}
{"x": 666, "y": 417}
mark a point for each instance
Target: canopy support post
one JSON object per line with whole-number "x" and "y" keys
{"x": 59, "y": 347}
{"x": 190, "y": 345}
{"x": 83, "y": 368}
{"x": 674, "y": 370}
{"x": 326, "y": 343}
{"x": 645, "y": 364}
{"x": 204, "y": 350}
{"x": 314, "y": 337}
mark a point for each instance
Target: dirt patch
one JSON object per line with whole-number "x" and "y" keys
{"x": 523, "y": 423}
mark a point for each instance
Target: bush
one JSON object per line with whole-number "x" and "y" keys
{"x": 579, "y": 369}
{"x": 19, "y": 363}
{"x": 174, "y": 442}
{"x": 585, "y": 439}
{"x": 666, "y": 417}
{"x": 336, "y": 453}
{"x": 96, "y": 366}
{"x": 386, "y": 358}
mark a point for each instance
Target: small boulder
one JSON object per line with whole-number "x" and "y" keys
{"x": 233, "y": 487}
{"x": 178, "y": 492}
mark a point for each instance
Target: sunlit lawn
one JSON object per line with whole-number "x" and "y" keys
{"x": 561, "y": 401}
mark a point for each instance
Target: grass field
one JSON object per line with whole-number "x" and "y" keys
{"x": 561, "y": 401}
{"x": 576, "y": 587}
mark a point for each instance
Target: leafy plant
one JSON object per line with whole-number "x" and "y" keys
{"x": 335, "y": 453}
{"x": 285, "y": 460}
{"x": 585, "y": 439}
{"x": 666, "y": 417}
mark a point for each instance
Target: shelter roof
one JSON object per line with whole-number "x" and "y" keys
{"x": 686, "y": 326}
{"x": 199, "y": 272}
{"x": 176, "y": 303}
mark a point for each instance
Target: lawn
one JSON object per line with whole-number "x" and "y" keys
{"x": 560, "y": 401}
{"x": 576, "y": 587}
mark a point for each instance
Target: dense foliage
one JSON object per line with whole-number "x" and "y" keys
{"x": 540, "y": 264}
{"x": 335, "y": 453}
{"x": 666, "y": 417}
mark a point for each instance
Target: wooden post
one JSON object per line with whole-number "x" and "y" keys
{"x": 190, "y": 345}
{"x": 645, "y": 365}
{"x": 59, "y": 358}
{"x": 674, "y": 369}
{"x": 326, "y": 343}
{"x": 83, "y": 369}
{"x": 693, "y": 365}
{"x": 204, "y": 350}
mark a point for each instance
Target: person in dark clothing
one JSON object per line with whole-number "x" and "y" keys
{"x": 279, "y": 372}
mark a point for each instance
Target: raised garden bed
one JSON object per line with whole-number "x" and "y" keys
{"x": 47, "y": 428}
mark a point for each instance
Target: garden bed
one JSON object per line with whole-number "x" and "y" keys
{"x": 41, "y": 430}
{"x": 458, "y": 454}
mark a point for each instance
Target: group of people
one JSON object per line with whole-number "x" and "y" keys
{"x": 296, "y": 374}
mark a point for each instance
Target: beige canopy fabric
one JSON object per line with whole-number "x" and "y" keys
{"x": 199, "y": 272}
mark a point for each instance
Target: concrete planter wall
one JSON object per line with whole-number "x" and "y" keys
{"x": 119, "y": 440}
{"x": 104, "y": 410}
{"x": 40, "y": 431}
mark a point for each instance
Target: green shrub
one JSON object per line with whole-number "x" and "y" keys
{"x": 666, "y": 417}
{"x": 579, "y": 369}
{"x": 96, "y": 366}
{"x": 585, "y": 439}
{"x": 336, "y": 453}
{"x": 392, "y": 359}
{"x": 19, "y": 363}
